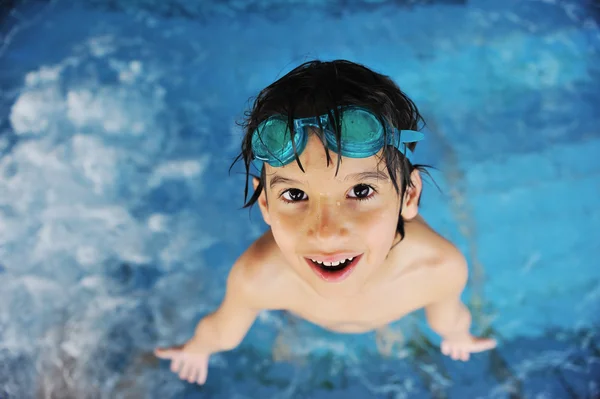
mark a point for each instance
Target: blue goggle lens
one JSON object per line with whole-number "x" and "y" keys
{"x": 362, "y": 134}
{"x": 271, "y": 142}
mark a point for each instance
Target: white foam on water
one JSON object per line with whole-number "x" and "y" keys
{"x": 34, "y": 111}
{"x": 180, "y": 169}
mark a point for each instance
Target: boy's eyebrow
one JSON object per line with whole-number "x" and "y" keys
{"x": 276, "y": 179}
{"x": 375, "y": 174}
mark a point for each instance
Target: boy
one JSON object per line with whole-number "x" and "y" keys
{"x": 346, "y": 248}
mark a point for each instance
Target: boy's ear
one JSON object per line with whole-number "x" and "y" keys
{"x": 262, "y": 201}
{"x": 410, "y": 202}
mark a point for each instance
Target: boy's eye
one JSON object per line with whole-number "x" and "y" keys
{"x": 361, "y": 191}
{"x": 294, "y": 195}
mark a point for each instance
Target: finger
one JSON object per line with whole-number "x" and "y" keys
{"x": 455, "y": 353}
{"x": 202, "y": 372}
{"x": 192, "y": 374}
{"x": 185, "y": 370}
{"x": 483, "y": 345}
{"x": 176, "y": 364}
{"x": 464, "y": 356}
{"x": 445, "y": 348}
{"x": 164, "y": 353}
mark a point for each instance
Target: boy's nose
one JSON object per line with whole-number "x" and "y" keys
{"x": 326, "y": 220}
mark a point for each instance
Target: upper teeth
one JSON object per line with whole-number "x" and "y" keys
{"x": 332, "y": 263}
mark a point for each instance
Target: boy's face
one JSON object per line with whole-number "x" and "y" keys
{"x": 330, "y": 218}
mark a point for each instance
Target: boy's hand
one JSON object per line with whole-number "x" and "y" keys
{"x": 461, "y": 348}
{"x": 187, "y": 360}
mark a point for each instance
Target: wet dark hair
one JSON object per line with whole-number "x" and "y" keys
{"x": 317, "y": 88}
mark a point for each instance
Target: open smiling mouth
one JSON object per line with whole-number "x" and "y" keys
{"x": 333, "y": 271}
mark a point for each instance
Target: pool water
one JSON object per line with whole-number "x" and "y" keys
{"x": 119, "y": 219}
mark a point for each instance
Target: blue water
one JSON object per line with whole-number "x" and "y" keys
{"x": 119, "y": 220}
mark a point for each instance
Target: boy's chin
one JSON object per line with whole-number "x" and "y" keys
{"x": 348, "y": 287}
{"x": 338, "y": 290}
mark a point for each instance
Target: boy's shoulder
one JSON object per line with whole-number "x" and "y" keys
{"x": 433, "y": 261}
{"x": 259, "y": 273}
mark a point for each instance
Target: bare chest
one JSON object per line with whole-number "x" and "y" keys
{"x": 360, "y": 314}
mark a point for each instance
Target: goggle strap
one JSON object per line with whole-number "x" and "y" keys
{"x": 400, "y": 138}
{"x": 410, "y": 136}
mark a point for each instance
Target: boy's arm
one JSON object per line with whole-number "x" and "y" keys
{"x": 246, "y": 294}
{"x": 225, "y": 328}
{"x": 449, "y": 317}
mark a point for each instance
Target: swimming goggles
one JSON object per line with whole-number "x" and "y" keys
{"x": 362, "y": 136}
